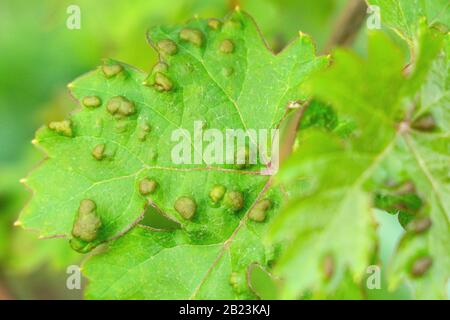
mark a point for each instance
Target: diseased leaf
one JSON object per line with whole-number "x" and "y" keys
{"x": 332, "y": 219}
{"x": 404, "y": 15}
{"x": 109, "y": 153}
{"x": 422, "y": 255}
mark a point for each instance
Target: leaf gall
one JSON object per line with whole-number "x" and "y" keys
{"x": 193, "y": 36}
{"x": 234, "y": 200}
{"x": 167, "y": 47}
{"x": 62, "y": 127}
{"x": 147, "y": 186}
{"x": 91, "y": 102}
{"x": 186, "y": 207}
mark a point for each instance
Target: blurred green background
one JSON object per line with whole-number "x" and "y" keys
{"x": 39, "y": 55}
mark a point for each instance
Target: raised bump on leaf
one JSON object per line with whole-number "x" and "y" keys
{"x": 81, "y": 246}
{"x": 99, "y": 151}
{"x": 144, "y": 129}
{"x": 147, "y": 186}
{"x": 62, "y": 127}
{"x": 188, "y": 68}
{"x": 258, "y": 212}
{"x": 420, "y": 225}
{"x": 186, "y": 207}
{"x": 193, "y": 36}
{"x": 167, "y": 47}
{"x": 226, "y": 46}
{"x": 120, "y": 106}
{"x": 227, "y": 71}
{"x": 214, "y": 24}
{"x": 238, "y": 282}
{"x": 420, "y": 266}
{"x": 232, "y": 23}
{"x": 234, "y": 200}
{"x": 110, "y": 70}
{"x": 405, "y": 188}
{"x": 91, "y": 102}
{"x": 87, "y": 223}
{"x": 121, "y": 126}
{"x": 162, "y": 82}
{"x": 160, "y": 67}
{"x": 217, "y": 192}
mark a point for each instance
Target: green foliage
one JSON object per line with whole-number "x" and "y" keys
{"x": 403, "y": 15}
{"x": 333, "y": 215}
{"x": 214, "y": 244}
{"x": 52, "y": 55}
{"x": 367, "y": 180}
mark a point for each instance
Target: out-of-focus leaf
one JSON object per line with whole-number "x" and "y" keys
{"x": 330, "y": 227}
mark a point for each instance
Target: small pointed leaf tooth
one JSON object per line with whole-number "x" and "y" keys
{"x": 111, "y": 70}
{"x": 162, "y": 82}
{"x": 147, "y": 186}
{"x": 87, "y": 223}
{"x": 420, "y": 266}
{"x": 217, "y": 192}
{"x": 226, "y": 46}
{"x": 193, "y": 36}
{"x": 91, "y": 102}
{"x": 258, "y": 212}
{"x": 214, "y": 24}
{"x": 186, "y": 207}
{"x": 234, "y": 200}
{"x": 98, "y": 152}
{"x": 62, "y": 127}
{"x": 167, "y": 47}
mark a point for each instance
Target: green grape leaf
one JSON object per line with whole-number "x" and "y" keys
{"x": 329, "y": 227}
{"x": 113, "y": 159}
{"x": 403, "y": 16}
{"x": 422, "y": 255}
